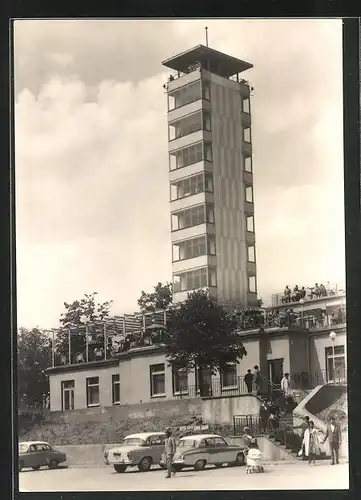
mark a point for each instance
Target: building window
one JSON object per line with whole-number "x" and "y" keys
{"x": 251, "y": 253}
{"x": 187, "y": 94}
{"x": 201, "y": 151}
{"x": 67, "y": 395}
{"x": 247, "y": 134}
{"x": 192, "y": 217}
{"x": 92, "y": 391}
{"x": 180, "y": 380}
{"x": 116, "y": 389}
{"x": 252, "y": 284}
{"x": 191, "y": 185}
{"x": 336, "y": 371}
{"x": 195, "y": 279}
{"x": 203, "y": 381}
{"x": 250, "y": 223}
{"x": 201, "y": 120}
{"x": 195, "y": 247}
{"x": 229, "y": 376}
{"x": 246, "y": 105}
{"x": 249, "y": 194}
{"x": 157, "y": 380}
{"x": 248, "y": 164}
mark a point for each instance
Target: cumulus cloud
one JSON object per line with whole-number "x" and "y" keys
{"x": 92, "y": 166}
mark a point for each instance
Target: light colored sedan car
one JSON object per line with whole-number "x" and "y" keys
{"x": 206, "y": 449}
{"x": 36, "y": 454}
{"x": 142, "y": 450}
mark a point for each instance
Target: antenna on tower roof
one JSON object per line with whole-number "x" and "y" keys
{"x": 206, "y": 28}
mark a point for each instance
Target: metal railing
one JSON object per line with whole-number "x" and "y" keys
{"x": 215, "y": 388}
{"x": 308, "y": 294}
{"x": 310, "y": 380}
{"x": 274, "y": 428}
{"x": 237, "y": 386}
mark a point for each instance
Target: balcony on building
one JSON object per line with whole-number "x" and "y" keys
{"x": 191, "y": 190}
{"x": 194, "y": 252}
{"x": 246, "y": 112}
{"x": 318, "y": 312}
{"x": 189, "y": 98}
{"x": 191, "y": 217}
{"x": 190, "y": 159}
{"x": 192, "y": 62}
{"x": 195, "y": 279}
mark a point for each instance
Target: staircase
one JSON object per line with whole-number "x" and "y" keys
{"x": 282, "y": 433}
{"x": 286, "y": 437}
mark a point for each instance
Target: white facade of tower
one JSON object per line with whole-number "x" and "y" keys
{"x": 211, "y": 180}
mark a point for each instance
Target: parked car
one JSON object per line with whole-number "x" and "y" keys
{"x": 36, "y": 454}
{"x": 206, "y": 449}
{"x": 142, "y": 450}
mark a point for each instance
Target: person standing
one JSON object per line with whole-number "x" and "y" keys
{"x": 264, "y": 415}
{"x": 286, "y": 389}
{"x": 256, "y": 380}
{"x": 311, "y": 443}
{"x": 248, "y": 380}
{"x": 304, "y": 426}
{"x": 333, "y": 434}
{"x": 169, "y": 451}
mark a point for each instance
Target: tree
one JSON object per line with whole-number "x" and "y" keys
{"x": 34, "y": 357}
{"x": 77, "y": 314}
{"x": 201, "y": 334}
{"x": 159, "y": 299}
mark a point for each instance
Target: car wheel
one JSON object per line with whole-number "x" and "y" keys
{"x": 240, "y": 459}
{"x": 53, "y": 464}
{"x": 37, "y": 467}
{"x": 21, "y": 466}
{"x": 120, "y": 468}
{"x": 200, "y": 464}
{"x": 145, "y": 464}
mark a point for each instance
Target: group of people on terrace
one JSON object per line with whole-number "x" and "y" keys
{"x": 297, "y": 294}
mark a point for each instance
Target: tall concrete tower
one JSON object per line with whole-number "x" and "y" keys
{"x": 211, "y": 177}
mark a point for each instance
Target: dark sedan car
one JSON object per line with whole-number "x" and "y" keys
{"x": 36, "y": 454}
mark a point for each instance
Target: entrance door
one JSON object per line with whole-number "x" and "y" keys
{"x": 275, "y": 374}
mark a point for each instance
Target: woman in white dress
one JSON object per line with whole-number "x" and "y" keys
{"x": 311, "y": 443}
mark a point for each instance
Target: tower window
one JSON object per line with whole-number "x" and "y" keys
{"x": 190, "y": 154}
{"x": 246, "y": 105}
{"x": 249, "y": 194}
{"x": 251, "y": 253}
{"x": 201, "y": 120}
{"x": 252, "y": 284}
{"x": 193, "y": 216}
{"x": 194, "y": 279}
{"x": 247, "y": 134}
{"x": 188, "y": 93}
{"x": 250, "y": 223}
{"x": 191, "y": 185}
{"x": 194, "y": 247}
{"x": 248, "y": 164}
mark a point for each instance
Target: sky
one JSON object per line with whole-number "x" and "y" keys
{"x": 91, "y": 163}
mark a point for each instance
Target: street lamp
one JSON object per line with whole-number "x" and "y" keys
{"x": 333, "y": 337}
{"x": 302, "y": 302}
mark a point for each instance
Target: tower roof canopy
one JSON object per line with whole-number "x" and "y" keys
{"x": 212, "y": 60}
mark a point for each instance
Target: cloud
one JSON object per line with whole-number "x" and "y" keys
{"x": 92, "y": 164}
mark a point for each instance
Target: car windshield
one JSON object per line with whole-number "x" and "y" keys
{"x": 23, "y": 448}
{"x": 187, "y": 443}
{"x": 133, "y": 442}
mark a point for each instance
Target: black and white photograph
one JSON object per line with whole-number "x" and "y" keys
{"x": 180, "y": 255}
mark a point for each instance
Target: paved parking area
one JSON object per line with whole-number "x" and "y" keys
{"x": 295, "y": 476}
